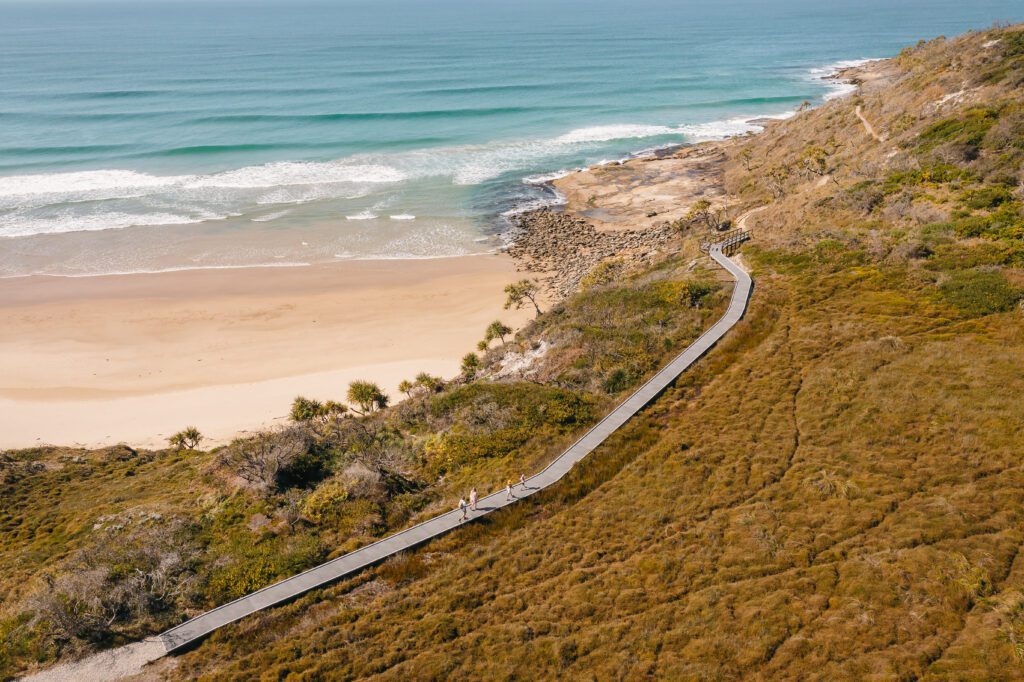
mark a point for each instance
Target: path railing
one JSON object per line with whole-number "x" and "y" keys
{"x": 193, "y": 630}
{"x": 728, "y": 242}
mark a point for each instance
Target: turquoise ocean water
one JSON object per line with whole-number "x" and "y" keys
{"x": 161, "y": 134}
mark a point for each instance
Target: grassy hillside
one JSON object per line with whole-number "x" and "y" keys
{"x": 835, "y": 492}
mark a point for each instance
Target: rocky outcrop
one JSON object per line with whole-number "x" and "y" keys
{"x": 565, "y": 248}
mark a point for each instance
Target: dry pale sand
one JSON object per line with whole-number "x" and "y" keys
{"x": 132, "y": 358}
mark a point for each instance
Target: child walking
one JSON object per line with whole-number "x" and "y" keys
{"x": 462, "y": 508}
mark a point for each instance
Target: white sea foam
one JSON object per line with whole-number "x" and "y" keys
{"x": 716, "y": 130}
{"x": 544, "y": 178}
{"x": 284, "y": 174}
{"x": 109, "y": 199}
{"x": 114, "y": 183}
{"x": 157, "y": 271}
{"x": 364, "y": 215}
{"x": 51, "y": 203}
{"x": 829, "y": 73}
{"x": 84, "y": 182}
{"x": 18, "y": 226}
{"x": 554, "y": 198}
{"x": 270, "y": 216}
{"x": 297, "y": 194}
{"x": 606, "y": 133}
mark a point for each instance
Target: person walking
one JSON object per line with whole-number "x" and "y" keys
{"x": 462, "y": 508}
{"x": 472, "y": 499}
{"x": 508, "y": 491}
{"x": 522, "y": 480}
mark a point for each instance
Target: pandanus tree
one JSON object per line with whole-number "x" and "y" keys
{"x": 186, "y": 439}
{"x": 307, "y": 410}
{"x": 366, "y": 396}
{"x": 521, "y": 292}
{"x": 497, "y": 330}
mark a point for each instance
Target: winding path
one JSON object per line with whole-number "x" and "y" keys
{"x": 870, "y": 129}
{"x": 193, "y": 630}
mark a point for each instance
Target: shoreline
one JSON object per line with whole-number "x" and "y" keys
{"x": 93, "y": 360}
{"x": 253, "y": 266}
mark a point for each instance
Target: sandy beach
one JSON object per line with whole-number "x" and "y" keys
{"x": 132, "y": 358}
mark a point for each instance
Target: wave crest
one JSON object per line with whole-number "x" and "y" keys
{"x": 116, "y": 198}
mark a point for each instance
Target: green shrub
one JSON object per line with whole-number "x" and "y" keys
{"x": 186, "y": 439}
{"x": 969, "y": 129}
{"x": 1006, "y": 222}
{"x": 492, "y": 420}
{"x": 252, "y": 564}
{"x": 326, "y": 502}
{"x": 979, "y": 292}
{"x": 987, "y": 197}
{"x": 618, "y": 380}
{"x": 962, "y": 255}
{"x": 1011, "y": 66}
{"x": 603, "y": 273}
{"x": 935, "y": 174}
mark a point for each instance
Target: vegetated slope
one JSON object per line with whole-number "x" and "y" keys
{"x": 835, "y": 493}
{"x": 103, "y": 547}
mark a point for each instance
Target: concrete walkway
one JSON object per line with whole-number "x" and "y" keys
{"x": 102, "y": 665}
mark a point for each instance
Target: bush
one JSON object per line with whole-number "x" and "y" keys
{"x": 248, "y": 566}
{"x": 1006, "y": 222}
{"x": 980, "y": 292}
{"x": 470, "y": 365}
{"x": 186, "y": 439}
{"x": 113, "y": 588}
{"x": 493, "y": 420}
{"x": 264, "y": 460}
{"x": 987, "y": 197}
{"x": 969, "y": 129}
{"x": 430, "y": 383}
{"x": 964, "y": 256}
{"x": 326, "y": 502}
{"x": 935, "y": 174}
{"x": 697, "y": 293}
{"x": 618, "y": 380}
{"x": 307, "y": 410}
{"x": 366, "y": 396}
{"x": 605, "y": 272}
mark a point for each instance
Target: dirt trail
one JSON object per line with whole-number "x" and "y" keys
{"x": 867, "y": 125}
{"x": 741, "y": 222}
{"x": 113, "y": 664}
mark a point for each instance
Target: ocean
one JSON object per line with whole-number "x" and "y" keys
{"x": 164, "y": 135}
